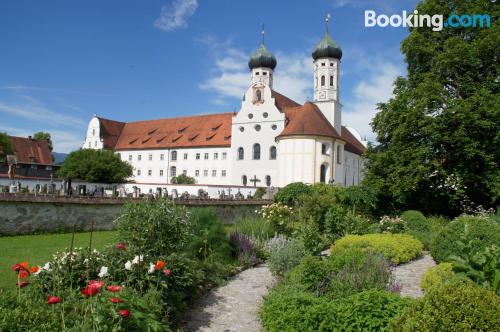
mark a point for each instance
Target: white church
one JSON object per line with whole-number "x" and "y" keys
{"x": 270, "y": 142}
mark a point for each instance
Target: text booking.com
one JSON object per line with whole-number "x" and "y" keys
{"x": 415, "y": 20}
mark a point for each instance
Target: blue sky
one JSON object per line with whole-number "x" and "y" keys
{"x": 63, "y": 61}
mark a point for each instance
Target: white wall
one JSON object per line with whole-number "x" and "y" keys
{"x": 93, "y": 139}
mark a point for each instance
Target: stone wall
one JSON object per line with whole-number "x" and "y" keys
{"x": 27, "y": 214}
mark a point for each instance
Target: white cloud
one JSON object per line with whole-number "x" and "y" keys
{"x": 175, "y": 15}
{"x": 376, "y": 87}
{"x": 33, "y": 111}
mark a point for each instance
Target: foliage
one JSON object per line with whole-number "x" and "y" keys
{"x": 277, "y": 242}
{"x": 480, "y": 233}
{"x": 399, "y": 248}
{"x": 245, "y": 249}
{"x": 311, "y": 237}
{"x": 455, "y": 306}
{"x": 361, "y": 199}
{"x": 5, "y": 146}
{"x": 436, "y": 276}
{"x": 339, "y": 221}
{"x": 182, "y": 179}
{"x": 90, "y": 165}
{"x": 438, "y": 135}
{"x": 392, "y": 225}
{"x": 259, "y": 192}
{"x": 290, "y": 194}
{"x": 154, "y": 227}
{"x": 277, "y": 214}
{"x": 41, "y": 135}
{"x": 255, "y": 227}
{"x": 285, "y": 258}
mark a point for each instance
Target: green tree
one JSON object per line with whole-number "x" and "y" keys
{"x": 182, "y": 179}
{"x": 95, "y": 166}
{"x": 5, "y": 146}
{"x": 42, "y": 135}
{"x": 438, "y": 136}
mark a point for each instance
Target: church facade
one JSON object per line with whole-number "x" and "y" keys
{"x": 270, "y": 142}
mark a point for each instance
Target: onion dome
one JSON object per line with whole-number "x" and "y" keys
{"x": 262, "y": 57}
{"x": 327, "y": 47}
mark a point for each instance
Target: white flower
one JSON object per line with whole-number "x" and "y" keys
{"x": 137, "y": 259}
{"x": 46, "y": 267}
{"x": 128, "y": 265}
{"x": 151, "y": 268}
{"x": 103, "y": 272}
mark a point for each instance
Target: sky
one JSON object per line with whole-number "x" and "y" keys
{"x": 61, "y": 62}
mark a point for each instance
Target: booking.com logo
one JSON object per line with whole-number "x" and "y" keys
{"x": 416, "y": 20}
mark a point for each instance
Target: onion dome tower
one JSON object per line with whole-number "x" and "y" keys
{"x": 262, "y": 64}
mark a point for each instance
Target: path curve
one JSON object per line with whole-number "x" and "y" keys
{"x": 233, "y": 307}
{"x": 409, "y": 275}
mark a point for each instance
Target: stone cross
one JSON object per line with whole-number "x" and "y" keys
{"x": 255, "y": 180}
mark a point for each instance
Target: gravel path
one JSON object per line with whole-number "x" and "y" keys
{"x": 410, "y": 274}
{"x": 233, "y": 307}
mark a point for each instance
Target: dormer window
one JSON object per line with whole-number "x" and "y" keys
{"x": 264, "y": 73}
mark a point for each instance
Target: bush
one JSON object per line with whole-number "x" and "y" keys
{"x": 392, "y": 225}
{"x": 310, "y": 274}
{"x": 455, "y": 306}
{"x": 290, "y": 194}
{"x": 246, "y": 250}
{"x": 415, "y": 221}
{"x": 436, "y": 276}
{"x": 481, "y": 233}
{"x": 259, "y": 192}
{"x": 154, "y": 227}
{"x": 284, "y": 259}
{"x": 310, "y": 235}
{"x": 278, "y": 215}
{"x": 182, "y": 179}
{"x": 398, "y": 248}
{"x": 339, "y": 222}
{"x": 255, "y": 227}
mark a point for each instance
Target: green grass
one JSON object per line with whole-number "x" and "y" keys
{"x": 38, "y": 249}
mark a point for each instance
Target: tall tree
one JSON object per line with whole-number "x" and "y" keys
{"x": 102, "y": 166}
{"x": 438, "y": 138}
{"x": 42, "y": 135}
{"x": 5, "y": 146}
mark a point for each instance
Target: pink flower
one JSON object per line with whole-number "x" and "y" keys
{"x": 116, "y": 300}
{"x": 22, "y": 284}
{"x": 114, "y": 288}
{"x": 53, "y": 299}
{"x": 167, "y": 272}
{"x": 124, "y": 313}
{"x": 120, "y": 246}
{"x": 92, "y": 288}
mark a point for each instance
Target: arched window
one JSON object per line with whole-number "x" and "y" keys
{"x": 244, "y": 180}
{"x": 268, "y": 180}
{"x": 331, "y": 80}
{"x": 256, "y": 151}
{"x": 173, "y": 156}
{"x": 322, "y": 173}
{"x": 241, "y": 153}
{"x": 324, "y": 148}
{"x": 173, "y": 171}
{"x": 322, "y": 80}
{"x": 272, "y": 153}
{"x": 259, "y": 95}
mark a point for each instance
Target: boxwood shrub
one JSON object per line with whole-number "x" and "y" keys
{"x": 482, "y": 233}
{"x": 398, "y": 248}
{"x": 455, "y": 306}
{"x": 436, "y": 276}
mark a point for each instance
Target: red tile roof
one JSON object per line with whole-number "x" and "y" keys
{"x": 307, "y": 120}
{"x": 282, "y": 102}
{"x": 110, "y": 132}
{"x": 352, "y": 144}
{"x": 31, "y": 151}
{"x": 182, "y": 132}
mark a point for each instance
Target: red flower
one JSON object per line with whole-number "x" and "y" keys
{"x": 159, "y": 265}
{"x": 120, "y": 246}
{"x": 167, "y": 272}
{"x": 53, "y": 300}
{"x": 20, "y": 267}
{"x": 34, "y": 269}
{"x": 24, "y": 274}
{"x": 92, "y": 288}
{"x": 114, "y": 288}
{"x": 124, "y": 313}
{"x": 116, "y": 300}
{"x": 22, "y": 284}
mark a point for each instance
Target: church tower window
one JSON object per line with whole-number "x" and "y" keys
{"x": 256, "y": 151}
{"x": 272, "y": 153}
{"x": 331, "y": 80}
{"x": 244, "y": 180}
{"x": 323, "y": 80}
{"x": 241, "y": 153}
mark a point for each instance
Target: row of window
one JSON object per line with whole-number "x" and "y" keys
{"x": 258, "y": 127}
{"x": 256, "y": 152}
{"x": 326, "y": 147}
{"x": 173, "y": 156}
{"x": 244, "y": 180}
{"x": 323, "y": 80}
{"x": 173, "y": 172}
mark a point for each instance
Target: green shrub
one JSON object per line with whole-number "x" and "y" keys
{"x": 310, "y": 274}
{"x": 455, "y": 306}
{"x": 310, "y": 235}
{"x": 290, "y": 194}
{"x": 415, "y": 221}
{"x": 259, "y": 193}
{"x": 392, "y": 225}
{"x": 277, "y": 214}
{"x": 154, "y": 227}
{"x": 255, "y": 227}
{"x": 481, "y": 233}
{"x": 285, "y": 258}
{"x": 398, "y": 248}
{"x": 436, "y": 276}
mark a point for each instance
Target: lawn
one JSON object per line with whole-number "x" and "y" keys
{"x": 38, "y": 249}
